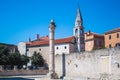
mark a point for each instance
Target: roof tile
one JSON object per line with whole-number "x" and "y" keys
{"x": 46, "y": 42}
{"x": 113, "y": 31}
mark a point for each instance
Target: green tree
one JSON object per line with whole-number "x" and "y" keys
{"x": 24, "y": 59}
{"x": 11, "y": 59}
{"x": 4, "y": 60}
{"x": 15, "y": 59}
{"x": 4, "y": 52}
{"x": 37, "y": 59}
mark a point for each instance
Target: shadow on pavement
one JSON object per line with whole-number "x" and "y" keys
{"x": 15, "y": 79}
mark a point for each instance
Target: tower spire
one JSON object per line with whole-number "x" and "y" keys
{"x": 79, "y": 31}
{"x": 78, "y": 17}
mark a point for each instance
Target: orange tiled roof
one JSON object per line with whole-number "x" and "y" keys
{"x": 113, "y": 31}
{"x": 95, "y": 34}
{"x": 64, "y": 40}
{"x": 44, "y": 38}
{"x": 46, "y": 42}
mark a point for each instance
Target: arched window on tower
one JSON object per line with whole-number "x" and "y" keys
{"x": 76, "y": 39}
{"x": 81, "y": 31}
{"x": 76, "y": 32}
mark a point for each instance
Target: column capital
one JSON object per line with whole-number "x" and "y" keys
{"x": 52, "y": 24}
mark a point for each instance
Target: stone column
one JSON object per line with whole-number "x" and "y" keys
{"x": 51, "y": 46}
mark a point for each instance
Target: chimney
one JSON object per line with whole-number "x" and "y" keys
{"x": 29, "y": 40}
{"x": 89, "y": 32}
{"x": 38, "y": 37}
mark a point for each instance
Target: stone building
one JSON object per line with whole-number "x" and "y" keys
{"x": 66, "y": 45}
{"x": 22, "y": 48}
{"x": 112, "y": 38}
{"x": 93, "y": 41}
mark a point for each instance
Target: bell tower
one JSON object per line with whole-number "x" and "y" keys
{"x": 79, "y": 32}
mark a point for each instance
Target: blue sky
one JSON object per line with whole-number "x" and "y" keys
{"x": 21, "y": 19}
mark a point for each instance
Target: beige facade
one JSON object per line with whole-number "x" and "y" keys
{"x": 93, "y": 41}
{"x": 43, "y": 50}
{"x": 112, "y": 38}
{"x": 22, "y": 48}
{"x": 64, "y": 48}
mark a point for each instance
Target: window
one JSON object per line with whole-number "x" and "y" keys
{"x": 81, "y": 32}
{"x": 76, "y": 39}
{"x": 102, "y": 43}
{"x": 57, "y": 48}
{"x": 76, "y": 48}
{"x": 117, "y": 35}
{"x": 117, "y": 44}
{"x": 76, "y": 32}
{"x": 110, "y": 46}
{"x": 82, "y": 41}
{"x": 97, "y": 42}
{"x": 109, "y": 36}
{"x": 40, "y": 49}
{"x": 27, "y": 49}
{"x": 117, "y": 64}
{"x": 65, "y": 47}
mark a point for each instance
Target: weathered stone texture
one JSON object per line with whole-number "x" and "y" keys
{"x": 94, "y": 64}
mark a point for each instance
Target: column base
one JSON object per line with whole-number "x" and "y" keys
{"x": 52, "y": 75}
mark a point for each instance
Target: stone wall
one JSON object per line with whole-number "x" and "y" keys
{"x": 23, "y": 72}
{"x": 93, "y": 64}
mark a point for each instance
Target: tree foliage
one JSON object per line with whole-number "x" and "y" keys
{"x": 4, "y": 52}
{"x": 11, "y": 59}
{"x": 15, "y": 58}
{"x": 24, "y": 60}
{"x": 37, "y": 59}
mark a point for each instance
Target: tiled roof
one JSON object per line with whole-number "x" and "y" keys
{"x": 64, "y": 40}
{"x": 95, "y": 34}
{"x": 46, "y": 42}
{"x": 113, "y": 31}
{"x": 44, "y": 38}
